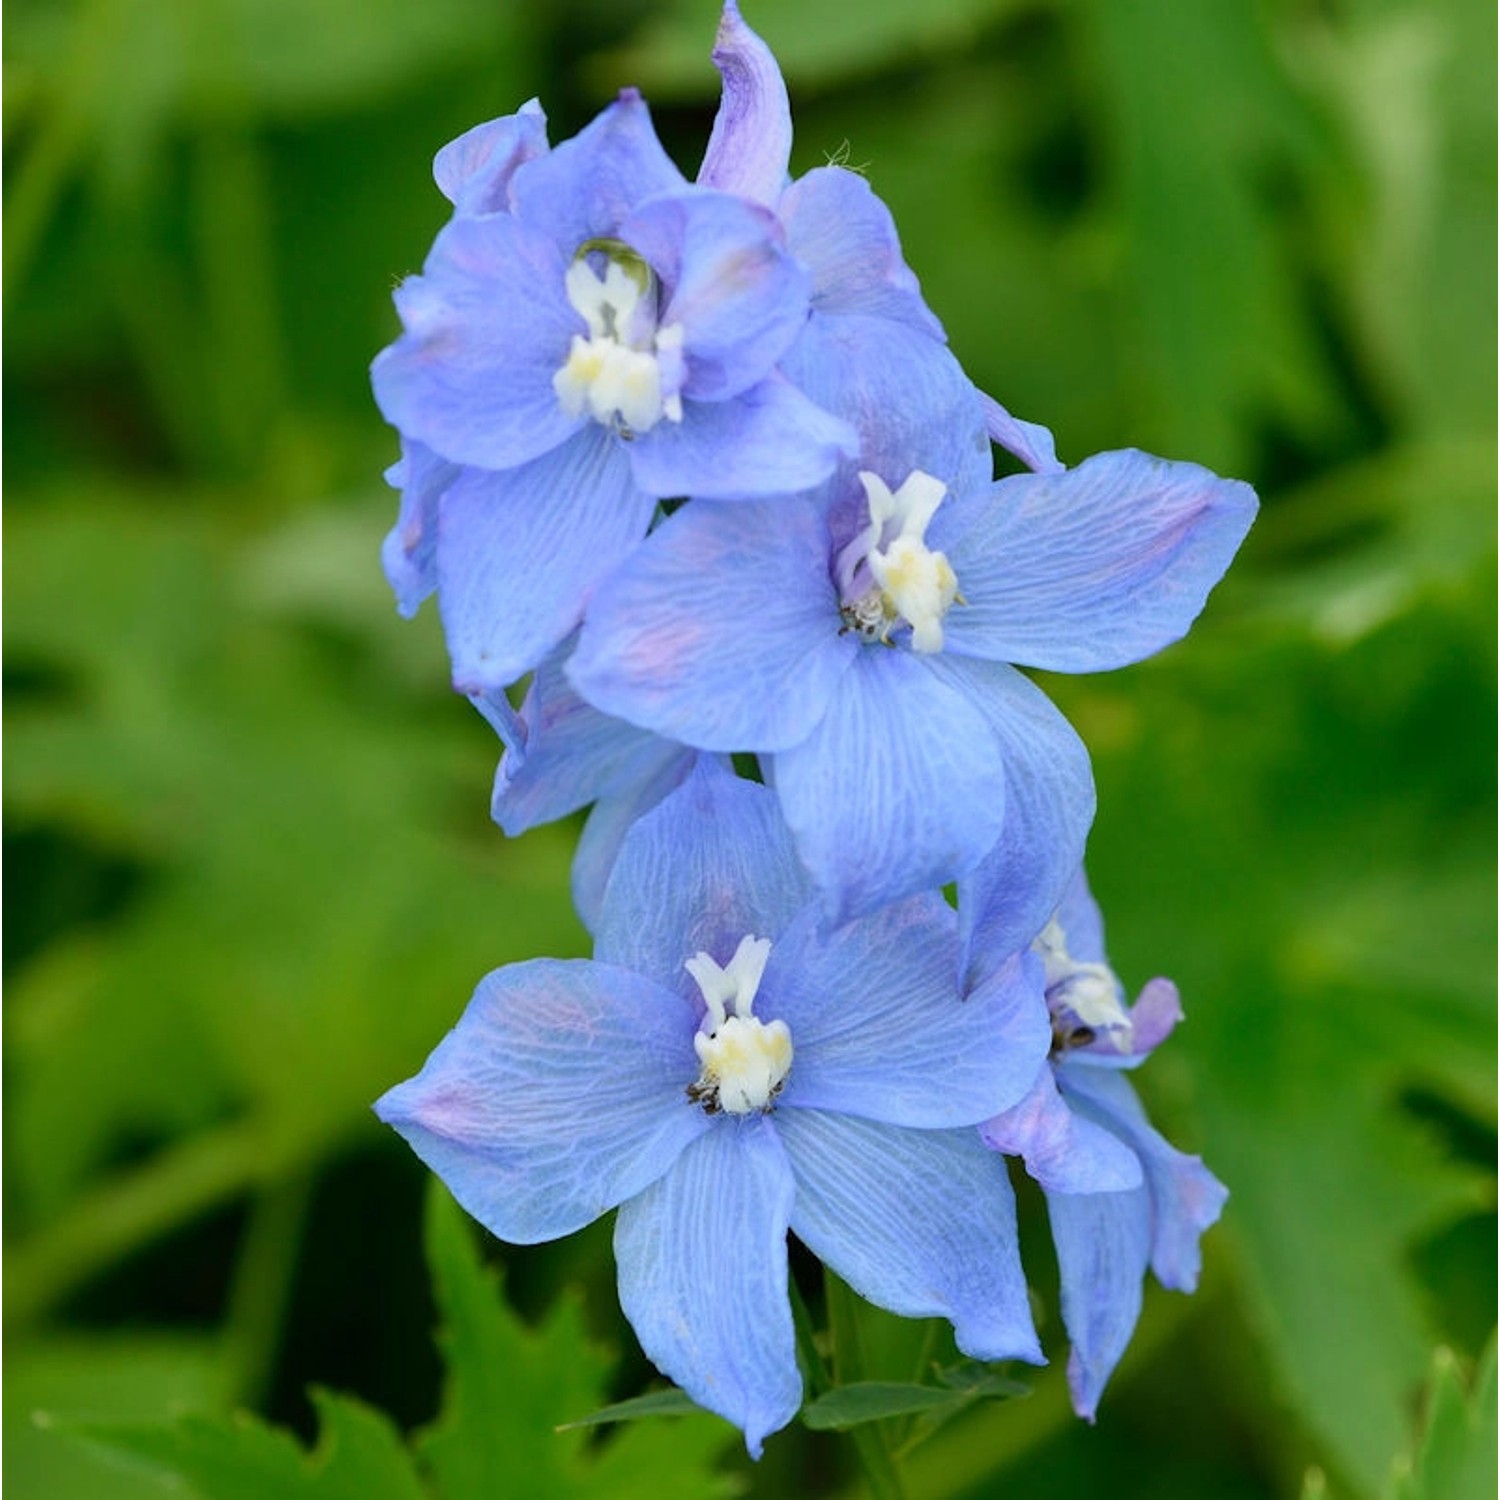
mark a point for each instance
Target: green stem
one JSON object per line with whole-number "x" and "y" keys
{"x": 814, "y": 1371}
{"x": 848, "y": 1364}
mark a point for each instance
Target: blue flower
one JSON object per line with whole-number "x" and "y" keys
{"x": 861, "y": 644}
{"x": 723, "y": 1072}
{"x": 590, "y": 334}
{"x": 1119, "y": 1197}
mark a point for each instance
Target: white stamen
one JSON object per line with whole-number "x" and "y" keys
{"x": 745, "y": 1061}
{"x": 1088, "y": 992}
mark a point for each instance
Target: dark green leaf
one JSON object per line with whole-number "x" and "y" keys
{"x": 672, "y": 1403}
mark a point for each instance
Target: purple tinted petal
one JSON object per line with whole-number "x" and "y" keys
{"x": 1031, "y": 443}
{"x": 495, "y": 709}
{"x": 921, "y": 1222}
{"x": 1102, "y": 1241}
{"x": 723, "y": 630}
{"x": 473, "y": 172}
{"x": 583, "y": 188}
{"x": 845, "y": 236}
{"x": 409, "y": 552}
{"x": 1082, "y": 922}
{"x": 488, "y": 324}
{"x": 1154, "y": 1016}
{"x": 711, "y": 864}
{"x": 702, "y": 1262}
{"x": 560, "y": 1092}
{"x": 520, "y": 551}
{"x": 899, "y": 789}
{"x": 769, "y": 441}
{"x": 752, "y": 135}
{"x": 737, "y": 295}
{"x": 1049, "y": 805}
{"x": 1186, "y": 1198}
{"x": 1064, "y": 1151}
{"x": 879, "y": 1029}
{"x": 1097, "y": 566}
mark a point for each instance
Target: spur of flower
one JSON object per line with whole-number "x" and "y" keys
{"x": 1119, "y": 1197}
{"x": 724, "y": 1071}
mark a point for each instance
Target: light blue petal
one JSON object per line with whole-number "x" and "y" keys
{"x": 488, "y": 324}
{"x": 1082, "y": 922}
{"x": 409, "y": 552}
{"x": 1028, "y": 441}
{"x": 845, "y": 236}
{"x": 584, "y": 187}
{"x": 711, "y": 864}
{"x": 519, "y": 552}
{"x": 473, "y": 172}
{"x": 1095, "y": 567}
{"x": 560, "y": 1092}
{"x": 899, "y": 789}
{"x": 1186, "y": 1198}
{"x": 1049, "y": 805}
{"x": 770, "y": 440}
{"x": 751, "y": 141}
{"x": 738, "y": 296}
{"x": 1066, "y": 1152}
{"x": 1102, "y": 1241}
{"x": 702, "y": 1263}
{"x": 723, "y": 631}
{"x": 921, "y": 1222}
{"x": 878, "y": 1027}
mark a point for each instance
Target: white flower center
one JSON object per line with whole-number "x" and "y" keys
{"x": 1085, "y": 998}
{"x": 888, "y": 574}
{"x": 627, "y": 372}
{"x": 745, "y": 1060}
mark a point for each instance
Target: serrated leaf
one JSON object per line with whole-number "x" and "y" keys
{"x": 1455, "y": 1454}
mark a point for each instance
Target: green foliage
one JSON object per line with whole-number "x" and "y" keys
{"x": 1455, "y": 1456}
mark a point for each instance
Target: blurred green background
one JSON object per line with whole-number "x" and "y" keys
{"x": 251, "y": 875}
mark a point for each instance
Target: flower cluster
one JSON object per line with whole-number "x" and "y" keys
{"x": 696, "y": 458}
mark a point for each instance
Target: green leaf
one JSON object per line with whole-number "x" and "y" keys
{"x": 670, "y": 1403}
{"x": 1455, "y": 1454}
{"x": 874, "y": 1400}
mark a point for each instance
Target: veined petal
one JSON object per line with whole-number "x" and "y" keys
{"x": 709, "y": 865}
{"x": 751, "y": 141}
{"x": 520, "y": 551}
{"x": 409, "y": 552}
{"x": 561, "y": 1091}
{"x": 488, "y": 324}
{"x": 738, "y": 296}
{"x": 722, "y": 632}
{"x": 1095, "y": 567}
{"x": 770, "y": 440}
{"x": 702, "y": 1264}
{"x": 1185, "y": 1197}
{"x": 845, "y": 236}
{"x": 899, "y": 789}
{"x": 879, "y": 1028}
{"x": 473, "y": 172}
{"x": 921, "y": 1222}
{"x": 583, "y": 188}
{"x": 1102, "y": 1242}
{"x": 1082, "y": 922}
{"x": 1029, "y": 441}
{"x": 1066, "y": 1152}
{"x": 1049, "y": 804}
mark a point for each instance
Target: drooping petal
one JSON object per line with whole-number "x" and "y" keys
{"x": 1082, "y": 922}
{"x": 722, "y": 632}
{"x": 899, "y": 789}
{"x": 409, "y": 552}
{"x": 474, "y": 171}
{"x": 845, "y": 236}
{"x": 1029, "y": 441}
{"x": 702, "y": 1264}
{"x": 921, "y": 1222}
{"x": 583, "y": 188}
{"x": 770, "y": 440}
{"x": 1097, "y": 566}
{"x": 1186, "y": 1198}
{"x": 1102, "y": 1242}
{"x": 1049, "y": 804}
{"x": 488, "y": 324}
{"x": 711, "y": 864}
{"x": 751, "y": 141}
{"x": 520, "y": 551}
{"x": 1064, "y": 1151}
{"x": 560, "y": 1092}
{"x": 738, "y": 296}
{"x": 879, "y": 1029}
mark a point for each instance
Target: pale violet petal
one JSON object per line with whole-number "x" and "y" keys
{"x": 751, "y": 141}
{"x": 474, "y": 171}
{"x": 1029, "y": 441}
{"x": 409, "y": 552}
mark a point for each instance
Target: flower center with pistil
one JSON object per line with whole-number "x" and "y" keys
{"x": 1083, "y": 998}
{"x": 745, "y": 1060}
{"x": 627, "y": 373}
{"x": 888, "y": 576}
